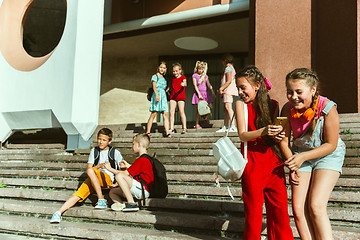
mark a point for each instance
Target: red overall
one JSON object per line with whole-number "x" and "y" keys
{"x": 264, "y": 178}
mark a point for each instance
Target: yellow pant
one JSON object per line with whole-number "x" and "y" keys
{"x": 86, "y": 188}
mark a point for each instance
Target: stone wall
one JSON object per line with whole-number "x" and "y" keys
{"x": 124, "y": 82}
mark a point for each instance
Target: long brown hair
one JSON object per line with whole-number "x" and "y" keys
{"x": 262, "y": 104}
{"x": 312, "y": 80}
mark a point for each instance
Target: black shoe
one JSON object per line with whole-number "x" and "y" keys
{"x": 131, "y": 207}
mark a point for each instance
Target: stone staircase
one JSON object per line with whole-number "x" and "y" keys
{"x": 35, "y": 180}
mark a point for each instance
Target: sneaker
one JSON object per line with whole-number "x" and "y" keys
{"x": 233, "y": 129}
{"x": 223, "y": 129}
{"x": 101, "y": 204}
{"x": 56, "y": 217}
{"x": 131, "y": 207}
{"x": 117, "y": 206}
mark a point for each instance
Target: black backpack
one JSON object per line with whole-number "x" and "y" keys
{"x": 160, "y": 186}
{"x": 111, "y": 156}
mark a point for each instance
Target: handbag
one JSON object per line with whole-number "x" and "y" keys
{"x": 231, "y": 163}
{"x": 204, "y": 109}
{"x": 150, "y": 90}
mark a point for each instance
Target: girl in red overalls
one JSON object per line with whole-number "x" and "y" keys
{"x": 263, "y": 177}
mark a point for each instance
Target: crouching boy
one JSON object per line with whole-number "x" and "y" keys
{"x": 98, "y": 176}
{"x": 128, "y": 179}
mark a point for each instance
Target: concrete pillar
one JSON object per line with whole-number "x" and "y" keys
{"x": 358, "y": 54}
{"x": 280, "y": 40}
{"x": 336, "y": 51}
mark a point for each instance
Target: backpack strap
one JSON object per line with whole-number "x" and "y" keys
{"x": 142, "y": 182}
{"x": 96, "y": 155}
{"x": 111, "y": 156}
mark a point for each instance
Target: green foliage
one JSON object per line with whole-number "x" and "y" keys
{"x": 3, "y": 185}
{"x": 346, "y": 131}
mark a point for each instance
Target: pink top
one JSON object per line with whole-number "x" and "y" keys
{"x": 201, "y": 86}
{"x": 231, "y": 89}
{"x": 299, "y": 125}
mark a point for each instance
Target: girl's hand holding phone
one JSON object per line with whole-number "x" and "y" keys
{"x": 272, "y": 130}
{"x": 279, "y": 137}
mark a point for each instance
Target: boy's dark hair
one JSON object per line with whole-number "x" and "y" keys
{"x": 107, "y": 132}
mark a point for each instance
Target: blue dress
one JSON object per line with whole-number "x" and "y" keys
{"x": 162, "y": 105}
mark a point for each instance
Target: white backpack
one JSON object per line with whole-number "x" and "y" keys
{"x": 231, "y": 163}
{"x": 204, "y": 109}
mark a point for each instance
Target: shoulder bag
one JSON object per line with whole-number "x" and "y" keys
{"x": 231, "y": 163}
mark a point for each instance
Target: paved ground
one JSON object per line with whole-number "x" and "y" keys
{"x": 5, "y": 236}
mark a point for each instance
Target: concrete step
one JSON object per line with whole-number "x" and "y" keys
{"x": 201, "y": 144}
{"x": 351, "y": 215}
{"x": 180, "y": 177}
{"x": 180, "y": 204}
{"x": 36, "y": 146}
{"x": 81, "y": 230}
{"x": 31, "y": 151}
{"x": 351, "y": 172}
{"x": 79, "y": 166}
{"x": 350, "y": 161}
{"x": 175, "y": 189}
{"x": 194, "y": 190}
{"x": 158, "y": 219}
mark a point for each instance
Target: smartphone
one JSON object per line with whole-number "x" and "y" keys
{"x": 281, "y": 121}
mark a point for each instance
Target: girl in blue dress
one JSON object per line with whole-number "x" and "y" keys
{"x": 158, "y": 102}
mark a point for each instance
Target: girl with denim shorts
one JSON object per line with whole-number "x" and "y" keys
{"x": 317, "y": 154}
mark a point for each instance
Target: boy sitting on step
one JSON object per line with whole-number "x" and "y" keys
{"x": 98, "y": 176}
{"x": 128, "y": 179}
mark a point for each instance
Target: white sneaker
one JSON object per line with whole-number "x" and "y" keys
{"x": 233, "y": 129}
{"x": 223, "y": 129}
{"x": 56, "y": 217}
{"x": 117, "y": 206}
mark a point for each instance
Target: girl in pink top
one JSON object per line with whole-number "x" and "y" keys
{"x": 200, "y": 80}
{"x": 316, "y": 156}
{"x": 228, "y": 91}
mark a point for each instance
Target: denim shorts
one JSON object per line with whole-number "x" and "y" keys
{"x": 136, "y": 190}
{"x": 333, "y": 161}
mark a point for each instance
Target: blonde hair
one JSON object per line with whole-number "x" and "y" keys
{"x": 200, "y": 64}
{"x": 179, "y": 66}
{"x": 143, "y": 139}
